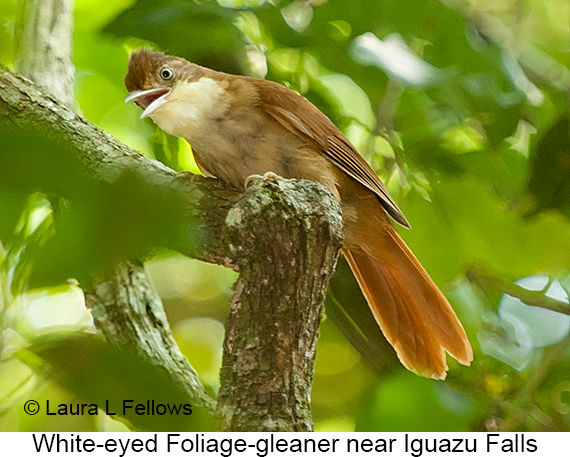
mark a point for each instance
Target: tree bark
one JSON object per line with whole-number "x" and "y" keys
{"x": 44, "y": 42}
{"x": 286, "y": 248}
{"x": 282, "y": 236}
{"x": 130, "y": 314}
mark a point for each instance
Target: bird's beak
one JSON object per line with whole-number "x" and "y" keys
{"x": 150, "y": 100}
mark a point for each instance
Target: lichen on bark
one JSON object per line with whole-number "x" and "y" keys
{"x": 286, "y": 242}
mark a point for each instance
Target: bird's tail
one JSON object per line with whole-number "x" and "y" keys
{"x": 414, "y": 315}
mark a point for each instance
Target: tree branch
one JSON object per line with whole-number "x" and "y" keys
{"x": 286, "y": 245}
{"x": 482, "y": 278}
{"x": 130, "y": 314}
{"x": 283, "y": 236}
{"x": 44, "y": 40}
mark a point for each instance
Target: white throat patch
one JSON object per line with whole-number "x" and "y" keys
{"x": 189, "y": 103}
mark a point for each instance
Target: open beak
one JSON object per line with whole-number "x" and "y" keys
{"x": 149, "y": 100}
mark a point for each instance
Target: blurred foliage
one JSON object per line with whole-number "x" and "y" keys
{"x": 96, "y": 221}
{"x": 462, "y": 108}
{"x": 82, "y": 363}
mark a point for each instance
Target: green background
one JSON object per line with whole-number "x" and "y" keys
{"x": 461, "y": 107}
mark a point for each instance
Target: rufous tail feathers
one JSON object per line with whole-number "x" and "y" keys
{"x": 412, "y": 312}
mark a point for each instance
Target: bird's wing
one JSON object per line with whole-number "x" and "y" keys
{"x": 316, "y": 129}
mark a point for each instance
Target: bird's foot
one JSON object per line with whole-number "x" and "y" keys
{"x": 251, "y": 178}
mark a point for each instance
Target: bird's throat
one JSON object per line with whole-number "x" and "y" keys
{"x": 190, "y": 105}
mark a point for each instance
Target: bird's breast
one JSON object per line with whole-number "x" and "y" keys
{"x": 235, "y": 147}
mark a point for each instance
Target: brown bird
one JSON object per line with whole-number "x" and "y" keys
{"x": 240, "y": 126}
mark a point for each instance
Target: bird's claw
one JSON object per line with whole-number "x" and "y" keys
{"x": 251, "y": 178}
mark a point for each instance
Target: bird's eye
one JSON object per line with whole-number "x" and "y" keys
{"x": 166, "y": 73}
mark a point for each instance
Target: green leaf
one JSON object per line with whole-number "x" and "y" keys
{"x": 201, "y": 32}
{"x": 549, "y": 181}
{"x": 12, "y": 205}
{"x": 117, "y": 382}
{"x": 102, "y": 224}
{"x": 347, "y": 308}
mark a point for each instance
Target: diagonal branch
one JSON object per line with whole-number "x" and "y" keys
{"x": 483, "y": 278}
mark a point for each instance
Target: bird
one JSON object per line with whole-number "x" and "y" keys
{"x": 239, "y": 127}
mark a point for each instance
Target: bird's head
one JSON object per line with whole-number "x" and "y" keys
{"x": 153, "y": 77}
{"x": 172, "y": 91}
